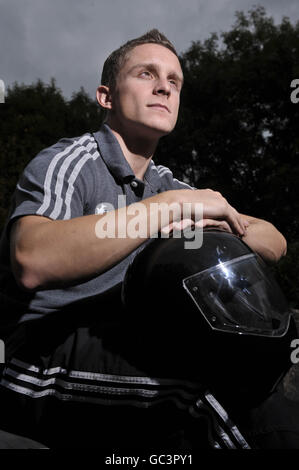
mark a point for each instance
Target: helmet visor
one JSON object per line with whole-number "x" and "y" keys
{"x": 240, "y": 296}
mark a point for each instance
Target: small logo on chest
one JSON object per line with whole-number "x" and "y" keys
{"x": 101, "y": 209}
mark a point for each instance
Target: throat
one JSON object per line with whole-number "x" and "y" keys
{"x": 137, "y": 151}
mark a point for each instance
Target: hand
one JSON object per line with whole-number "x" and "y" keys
{"x": 215, "y": 207}
{"x": 185, "y": 223}
{"x": 221, "y": 224}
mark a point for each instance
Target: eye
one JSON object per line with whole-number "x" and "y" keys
{"x": 145, "y": 74}
{"x": 174, "y": 82}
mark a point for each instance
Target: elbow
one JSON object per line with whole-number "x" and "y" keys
{"x": 285, "y": 247}
{"x": 280, "y": 250}
{"x": 27, "y": 283}
{"x": 28, "y": 262}
{"x": 24, "y": 273}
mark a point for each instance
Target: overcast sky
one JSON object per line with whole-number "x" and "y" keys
{"x": 70, "y": 39}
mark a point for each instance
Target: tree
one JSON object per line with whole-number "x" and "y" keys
{"x": 32, "y": 118}
{"x": 238, "y": 131}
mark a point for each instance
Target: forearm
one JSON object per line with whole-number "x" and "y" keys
{"x": 265, "y": 239}
{"x": 47, "y": 253}
{"x": 52, "y": 253}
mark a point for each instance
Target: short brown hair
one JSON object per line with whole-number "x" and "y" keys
{"x": 117, "y": 58}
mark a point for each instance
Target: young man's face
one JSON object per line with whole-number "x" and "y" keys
{"x": 147, "y": 94}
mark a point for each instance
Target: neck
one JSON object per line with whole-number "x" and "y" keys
{"x": 137, "y": 149}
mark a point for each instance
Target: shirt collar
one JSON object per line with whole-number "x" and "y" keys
{"x": 112, "y": 154}
{"x": 116, "y": 162}
{"x": 152, "y": 177}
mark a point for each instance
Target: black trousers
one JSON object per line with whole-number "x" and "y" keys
{"x": 71, "y": 381}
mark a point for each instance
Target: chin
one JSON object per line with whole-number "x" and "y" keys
{"x": 157, "y": 132}
{"x": 160, "y": 128}
{"x": 153, "y": 128}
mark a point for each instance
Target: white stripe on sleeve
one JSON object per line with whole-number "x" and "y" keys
{"x": 51, "y": 169}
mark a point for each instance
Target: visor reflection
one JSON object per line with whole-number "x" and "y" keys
{"x": 240, "y": 296}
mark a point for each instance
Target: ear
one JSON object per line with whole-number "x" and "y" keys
{"x": 104, "y": 97}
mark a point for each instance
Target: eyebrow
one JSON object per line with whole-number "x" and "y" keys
{"x": 153, "y": 66}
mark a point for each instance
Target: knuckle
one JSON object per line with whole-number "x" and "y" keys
{"x": 224, "y": 204}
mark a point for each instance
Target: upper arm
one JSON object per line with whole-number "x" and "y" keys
{"x": 22, "y": 224}
{"x": 19, "y": 237}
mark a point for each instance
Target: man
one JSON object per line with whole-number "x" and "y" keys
{"x": 60, "y": 283}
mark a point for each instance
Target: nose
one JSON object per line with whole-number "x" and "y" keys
{"x": 162, "y": 87}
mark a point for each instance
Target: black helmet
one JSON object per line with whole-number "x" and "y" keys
{"x": 213, "y": 314}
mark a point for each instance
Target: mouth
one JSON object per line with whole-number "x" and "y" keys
{"x": 159, "y": 106}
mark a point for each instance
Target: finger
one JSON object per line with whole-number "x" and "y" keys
{"x": 222, "y": 224}
{"x": 180, "y": 225}
{"x": 183, "y": 224}
{"x": 245, "y": 225}
{"x": 167, "y": 229}
{"x": 235, "y": 222}
{"x": 242, "y": 222}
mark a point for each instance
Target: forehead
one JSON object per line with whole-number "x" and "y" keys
{"x": 154, "y": 54}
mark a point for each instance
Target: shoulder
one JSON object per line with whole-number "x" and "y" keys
{"x": 168, "y": 180}
{"x": 65, "y": 151}
{"x": 67, "y": 159}
{"x": 58, "y": 180}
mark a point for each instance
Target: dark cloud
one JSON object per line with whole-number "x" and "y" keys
{"x": 70, "y": 39}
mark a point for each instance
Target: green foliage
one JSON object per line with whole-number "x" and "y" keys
{"x": 238, "y": 131}
{"x": 35, "y": 117}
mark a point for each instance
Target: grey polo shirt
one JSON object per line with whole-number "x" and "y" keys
{"x": 75, "y": 177}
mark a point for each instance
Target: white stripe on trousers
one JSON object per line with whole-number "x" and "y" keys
{"x": 118, "y": 395}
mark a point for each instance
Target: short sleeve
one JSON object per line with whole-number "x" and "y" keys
{"x": 168, "y": 180}
{"x": 52, "y": 184}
